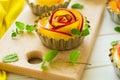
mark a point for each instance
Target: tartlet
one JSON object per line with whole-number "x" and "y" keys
{"x": 40, "y": 7}
{"x": 60, "y": 26}
{"x": 115, "y": 57}
{"x": 113, "y": 7}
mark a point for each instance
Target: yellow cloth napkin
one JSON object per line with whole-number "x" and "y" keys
{"x": 9, "y": 10}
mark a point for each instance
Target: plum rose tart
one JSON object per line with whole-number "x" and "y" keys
{"x": 115, "y": 56}
{"x": 64, "y": 29}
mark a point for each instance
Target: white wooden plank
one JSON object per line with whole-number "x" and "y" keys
{"x": 102, "y": 73}
{"x": 101, "y": 51}
{"x": 107, "y": 25}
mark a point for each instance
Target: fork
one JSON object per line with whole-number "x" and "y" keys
{"x": 2, "y": 75}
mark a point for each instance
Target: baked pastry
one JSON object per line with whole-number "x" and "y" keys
{"x": 65, "y": 29}
{"x": 48, "y": 2}
{"x": 115, "y": 57}
{"x": 113, "y": 7}
{"x": 40, "y": 7}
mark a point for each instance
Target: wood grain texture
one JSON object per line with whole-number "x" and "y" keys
{"x": 30, "y": 44}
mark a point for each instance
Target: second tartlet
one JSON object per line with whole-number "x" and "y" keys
{"x": 40, "y": 7}
{"x": 113, "y": 7}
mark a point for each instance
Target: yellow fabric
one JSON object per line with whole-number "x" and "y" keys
{"x": 9, "y": 10}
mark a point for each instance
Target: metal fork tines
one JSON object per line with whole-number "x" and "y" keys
{"x": 2, "y": 75}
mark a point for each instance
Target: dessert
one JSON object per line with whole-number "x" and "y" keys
{"x": 113, "y": 7}
{"x": 64, "y": 29}
{"x": 48, "y": 2}
{"x": 115, "y": 57}
{"x": 40, "y": 7}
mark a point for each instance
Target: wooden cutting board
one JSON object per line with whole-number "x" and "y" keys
{"x": 29, "y": 46}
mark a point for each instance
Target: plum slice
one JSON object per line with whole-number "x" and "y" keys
{"x": 61, "y": 17}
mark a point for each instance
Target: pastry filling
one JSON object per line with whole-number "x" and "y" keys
{"x": 60, "y": 24}
{"x": 46, "y": 2}
{"x": 115, "y": 5}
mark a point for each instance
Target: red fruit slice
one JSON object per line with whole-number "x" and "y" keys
{"x": 80, "y": 17}
{"x": 63, "y": 18}
{"x": 68, "y": 28}
{"x": 81, "y": 24}
{"x": 118, "y": 49}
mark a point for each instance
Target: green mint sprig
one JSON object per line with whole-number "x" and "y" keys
{"x": 14, "y": 34}
{"x": 30, "y": 28}
{"x": 20, "y": 27}
{"x": 10, "y": 58}
{"x": 49, "y": 56}
{"x": 117, "y": 28}
{"x": 77, "y": 6}
{"x": 85, "y": 30}
{"x": 113, "y": 43}
{"x": 75, "y": 31}
{"x": 74, "y": 56}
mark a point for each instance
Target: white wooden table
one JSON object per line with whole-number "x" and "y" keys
{"x": 101, "y": 68}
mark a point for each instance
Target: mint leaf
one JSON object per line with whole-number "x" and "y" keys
{"x": 85, "y": 30}
{"x": 117, "y": 28}
{"x": 74, "y": 56}
{"x": 86, "y": 26}
{"x": 43, "y": 64}
{"x": 30, "y": 28}
{"x": 77, "y": 6}
{"x": 20, "y": 28}
{"x": 14, "y": 34}
{"x": 113, "y": 43}
{"x": 75, "y": 31}
{"x": 49, "y": 56}
{"x": 20, "y": 25}
{"x": 10, "y": 58}
{"x": 17, "y": 30}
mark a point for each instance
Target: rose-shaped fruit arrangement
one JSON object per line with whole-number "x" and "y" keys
{"x": 115, "y": 56}
{"x": 64, "y": 30}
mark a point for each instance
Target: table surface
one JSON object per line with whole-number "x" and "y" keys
{"x": 101, "y": 68}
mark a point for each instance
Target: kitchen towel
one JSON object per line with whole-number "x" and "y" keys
{"x": 9, "y": 10}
